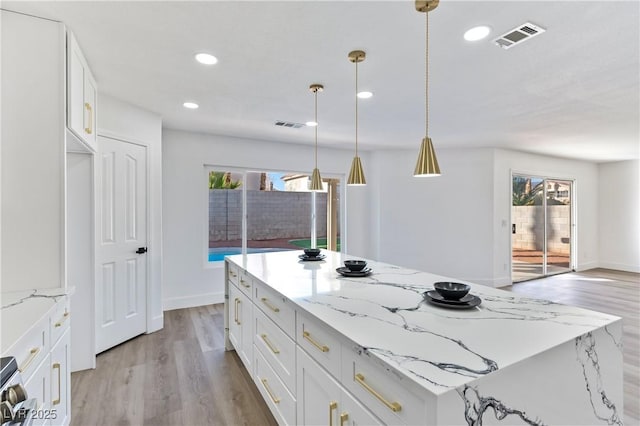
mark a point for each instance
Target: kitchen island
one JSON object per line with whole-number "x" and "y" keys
{"x": 327, "y": 349}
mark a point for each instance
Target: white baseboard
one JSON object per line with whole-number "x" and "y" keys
{"x": 586, "y": 265}
{"x": 156, "y": 324}
{"x": 192, "y": 301}
{"x": 620, "y": 267}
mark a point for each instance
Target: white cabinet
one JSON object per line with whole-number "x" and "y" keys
{"x": 82, "y": 95}
{"x": 60, "y": 383}
{"x": 240, "y": 325}
{"x": 38, "y": 386}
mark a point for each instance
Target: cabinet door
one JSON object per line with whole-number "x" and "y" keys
{"x": 240, "y": 325}
{"x": 38, "y": 386}
{"x": 75, "y": 89}
{"x": 352, "y": 413}
{"x": 60, "y": 383}
{"x": 90, "y": 106}
{"x": 235, "y": 321}
{"x": 318, "y": 393}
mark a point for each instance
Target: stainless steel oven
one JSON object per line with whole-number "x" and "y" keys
{"x": 16, "y": 408}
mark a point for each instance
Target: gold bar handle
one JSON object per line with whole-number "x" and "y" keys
{"x": 242, "y": 281}
{"x": 270, "y": 305}
{"x": 332, "y": 406}
{"x": 393, "y": 406}
{"x": 89, "y": 129}
{"x": 343, "y": 418}
{"x": 269, "y": 344}
{"x": 236, "y": 313}
{"x": 321, "y": 348}
{"x": 56, "y": 366}
{"x": 64, "y": 318}
{"x": 33, "y": 354}
{"x": 268, "y": 389}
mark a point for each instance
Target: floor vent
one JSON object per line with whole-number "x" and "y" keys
{"x": 288, "y": 124}
{"x": 518, "y": 35}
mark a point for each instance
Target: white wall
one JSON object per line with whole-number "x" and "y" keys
{"x": 437, "y": 224}
{"x": 188, "y": 279}
{"x": 584, "y": 174}
{"x": 124, "y": 121}
{"x": 619, "y": 215}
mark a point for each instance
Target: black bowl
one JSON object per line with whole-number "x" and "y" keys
{"x": 355, "y": 265}
{"x": 312, "y": 252}
{"x": 451, "y": 291}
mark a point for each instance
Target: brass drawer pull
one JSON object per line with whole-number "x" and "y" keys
{"x": 332, "y": 406}
{"x": 33, "y": 354}
{"x": 242, "y": 281}
{"x": 266, "y": 386}
{"x": 89, "y": 129}
{"x": 64, "y": 318}
{"x": 269, "y": 344}
{"x": 236, "y": 313}
{"x": 393, "y": 406}
{"x": 343, "y": 418}
{"x": 233, "y": 274}
{"x": 321, "y": 348}
{"x": 270, "y": 305}
{"x": 56, "y": 366}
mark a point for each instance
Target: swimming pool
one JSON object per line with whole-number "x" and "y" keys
{"x": 218, "y": 253}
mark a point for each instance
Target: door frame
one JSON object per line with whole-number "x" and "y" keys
{"x": 97, "y": 229}
{"x": 573, "y": 214}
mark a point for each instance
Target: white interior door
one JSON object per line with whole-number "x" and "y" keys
{"x": 121, "y": 272}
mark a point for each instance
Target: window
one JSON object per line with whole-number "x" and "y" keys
{"x": 279, "y": 213}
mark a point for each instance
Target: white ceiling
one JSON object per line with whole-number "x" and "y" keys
{"x": 573, "y": 91}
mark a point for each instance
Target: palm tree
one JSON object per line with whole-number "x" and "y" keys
{"x": 523, "y": 194}
{"x": 222, "y": 180}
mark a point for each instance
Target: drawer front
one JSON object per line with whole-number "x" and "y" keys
{"x": 276, "y": 307}
{"x": 277, "y": 348}
{"x": 39, "y": 387}
{"x": 281, "y": 403}
{"x": 32, "y": 348}
{"x": 232, "y": 272}
{"x": 245, "y": 283}
{"x": 60, "y": 320}
{"x": 319, "y": 342}
{"x": 389, "y": 397}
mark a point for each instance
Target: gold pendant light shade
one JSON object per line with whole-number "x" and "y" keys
{"x": 427, "y": 164}
{"x": 316, "y": 180}
{"x": 356, "y": 175}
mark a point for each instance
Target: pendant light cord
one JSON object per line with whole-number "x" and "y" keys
{"x": 316, "y": 120}
{"x": 357, "y": 60}
{"x": 426, "y": 83}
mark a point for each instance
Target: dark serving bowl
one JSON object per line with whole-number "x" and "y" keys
{"x": 312, "y": 252}
{"x": 355, "y": 265}
{"x": 451, "y": 291}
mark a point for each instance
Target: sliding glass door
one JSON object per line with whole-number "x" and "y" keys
{"x": 541, "y": 226}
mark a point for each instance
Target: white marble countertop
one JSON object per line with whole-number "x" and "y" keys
{"x": 386, "y": 315}
{"x": 22, "y": 310}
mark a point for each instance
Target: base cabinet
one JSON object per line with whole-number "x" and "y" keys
{"x": 240, "y": 325}
{"x": 60, "y": 385}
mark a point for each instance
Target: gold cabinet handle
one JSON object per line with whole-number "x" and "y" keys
{"x": 321, "y": 348}
{"x": 56, "y": 366}
{"x": 33, "y": 353}
{"x": 233, "y": 274}
{"x": 269, "y": 344}
{"x": 89, "y": 129}
{"x": 270, "y": 305}
{"x": 332, "y": 406}
{"x": 64, "y": 318}
{"x": 242, "y": 281}
{"x": 393, "y": 406}
{"x": 268, "y": 389}
{"x": 236, "y": 313}
{"x": 343, "y": 418}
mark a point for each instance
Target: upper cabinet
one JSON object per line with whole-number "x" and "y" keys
{"x": 82, "y": 96}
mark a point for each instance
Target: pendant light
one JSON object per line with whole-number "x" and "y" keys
{"x": 356, "y": 175}
{"x": 316, "y": 180}
{"x": 427, "y": 164}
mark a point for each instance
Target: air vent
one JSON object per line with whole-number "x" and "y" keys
{"x": 288, "y": 124}
{"x": 518, "y": 35}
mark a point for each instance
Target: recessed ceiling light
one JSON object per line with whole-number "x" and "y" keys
{"x": 311, "y": 124}
{"x": 477, "y": 33}
{"x": 365, "y": 95}
{"x": 190, "y": 105}
{"x": 206, "y": 59}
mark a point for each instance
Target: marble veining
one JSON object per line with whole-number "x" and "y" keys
{"x": 34, "y": 294}
{"x": 475, "y": 406}
{"x": 603, "y": 408}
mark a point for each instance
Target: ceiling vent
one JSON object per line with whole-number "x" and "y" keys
{"x": 518, "y": 35}
{"x": 289, "y": 124}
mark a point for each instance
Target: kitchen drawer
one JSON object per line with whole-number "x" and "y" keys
{"x": 245, "y": 283}
{"x": 32, "y": 348}
{"x": 277, "y": 348}
{"x": 60, "y": 320}
{"x": 319, "y": 342}
{"x": 274, "y": 392}
{"x": 276, "y": 307}
{"x": 390, "y": 397}
{"x": 232, "y": 272}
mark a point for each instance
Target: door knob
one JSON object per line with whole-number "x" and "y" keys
{"x": 141, "y": 250}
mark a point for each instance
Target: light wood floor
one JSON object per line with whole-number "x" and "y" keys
{"x": 181, "y": 375}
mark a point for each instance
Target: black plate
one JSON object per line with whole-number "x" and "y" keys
{"x": 346, "y": 272}
{"x": 306, "y": 258}
{"x": 468, "y": 301}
